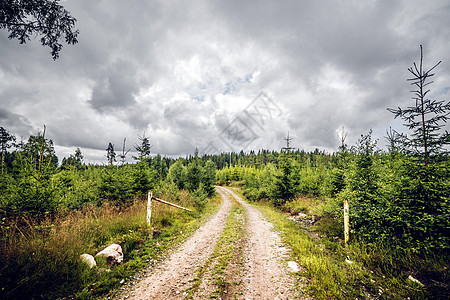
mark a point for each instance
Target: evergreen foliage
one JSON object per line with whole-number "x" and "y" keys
{"x": 194, "y": 174}
{"x": 420, "y": 212}
{"x": 28, "y": 186}
{"x": 368, "y": 207}
{"x": 178, "y": 174}
{"x": 6, "y": 140}
{"x": 421, "y": 208}
{"x": 399, "y": 197}
{"x": 143, "y": 149}
{"x": 75, "y": 161}
{"x": 209, "y": 178}
{"x": 110, "y": 154}
{"x": 425, "y": 119}
{"x": 143, "y": 178}
{"x": 200, "y": 196}
{"x": 285, "y": 185}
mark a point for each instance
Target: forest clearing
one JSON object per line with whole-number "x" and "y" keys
{"x": 339, "y": 216}
{"x": 399, "y": 220}
{"x": 228, "y": 259}
{"x": 52, "y": 214}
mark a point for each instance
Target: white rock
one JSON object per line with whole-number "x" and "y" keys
{"x": 295, "y": 267}
{"x": 102, "y": 270}
{"x": 415, "y": 280}
{"x": 113, "y": 254}
{"x": 88, "y": 259}
{"x": 301, "y": 216}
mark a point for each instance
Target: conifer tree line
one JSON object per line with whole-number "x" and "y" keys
{"x": 399, "y": 196}
{"x": 395, "y": 197}
{"x": 33, "y": 182}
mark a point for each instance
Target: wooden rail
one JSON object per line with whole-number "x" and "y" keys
{"x": 171, "y": 204}
{"x": 149, "y": 206}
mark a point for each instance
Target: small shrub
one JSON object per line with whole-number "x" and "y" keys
{"x": 200, "y": 198}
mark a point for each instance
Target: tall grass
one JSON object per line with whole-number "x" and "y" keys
{"x": 359, "y": 270}
{"x": 40, "y": 259}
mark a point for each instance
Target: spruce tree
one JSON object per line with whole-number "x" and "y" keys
{"x": 420, "y": 209}
{"x": 110, "y": 154}
{"x": 425, "y": 119}
{"x": 143, "y": 175}
{"x": 286, "y": 181}
{"x": 143, "y": 149}
{"x": 177, "y": 174}
{"x": 194, "y": 174}
{"x": 209, "y": 177}
{"x": 35, "y": 164}
{"x": 5, "y": 142}
{"x": 109, "y": 187}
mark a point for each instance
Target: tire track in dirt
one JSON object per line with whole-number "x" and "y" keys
{"x": 172, "y": 277}
{"x": 220, "y": 276}
{"x": 258, "y": 272}
{"x": 265, "y": 274}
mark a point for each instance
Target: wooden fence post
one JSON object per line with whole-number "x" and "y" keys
{"x": 149, "y": 207}
{"x": 346, "y": 221}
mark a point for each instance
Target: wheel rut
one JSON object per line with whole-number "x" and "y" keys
{"x": 264, "y": 274}
{"x": 175, "y": 275}
{"x": 235, "y": 255}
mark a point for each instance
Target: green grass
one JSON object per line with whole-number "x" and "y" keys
{"x": 41, "y": 260}
{"x": 374, "y": 271}
{"x": 228, "y": 249}
{"x": 308, "y": 205}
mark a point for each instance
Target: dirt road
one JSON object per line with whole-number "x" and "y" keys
{"x": 265, "y": 270}
{"x": 257, "y": 268}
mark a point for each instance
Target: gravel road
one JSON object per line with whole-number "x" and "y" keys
{"x": 262, "y": 272}
{"x": 265, "y": 273}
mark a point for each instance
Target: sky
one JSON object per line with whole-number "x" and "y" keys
{"x": 221, "y": 76}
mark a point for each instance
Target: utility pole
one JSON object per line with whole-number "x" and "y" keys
{"x": 288, "y": 147}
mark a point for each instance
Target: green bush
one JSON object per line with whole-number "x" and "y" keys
{"x": 200, "y": 198}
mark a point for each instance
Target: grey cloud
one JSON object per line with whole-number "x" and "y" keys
{"x": 123, "y": 78}
{"x": 186, "y": 117}
{"x": 140, "y": 118}
{"x": 116, "y": 88}
{"x": 17, "y": 125}
{"x": 74, "y": 135}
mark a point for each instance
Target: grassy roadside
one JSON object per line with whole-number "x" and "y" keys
{"x": 222, "y": 268}
{"x": 41, "y": 260}
{"x": 334, "y": 271}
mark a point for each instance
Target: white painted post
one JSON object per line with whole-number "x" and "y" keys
{"x": 149, "y": 207}
{"x": 346, "y": 221}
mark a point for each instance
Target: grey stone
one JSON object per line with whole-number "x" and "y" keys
{"x": 113, "y": 254}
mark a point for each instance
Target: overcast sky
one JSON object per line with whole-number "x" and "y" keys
{"x": 223, "y": 76}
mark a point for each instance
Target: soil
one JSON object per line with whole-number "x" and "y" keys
{"x": 266, "y": 275}
{"x": 258, "y": 271}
